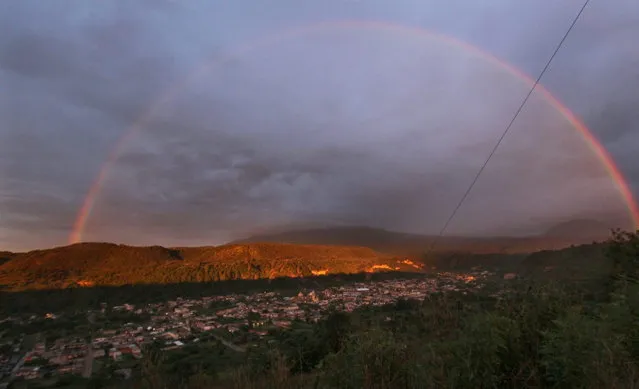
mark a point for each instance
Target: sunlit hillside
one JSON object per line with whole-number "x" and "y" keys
{"x": 94, "y": 264}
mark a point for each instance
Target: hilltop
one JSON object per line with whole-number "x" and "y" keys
{"x": 93, "y": 264}
{"x": 6, "y": 256}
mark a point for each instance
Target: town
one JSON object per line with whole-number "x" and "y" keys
{"x": 173, "y": 324}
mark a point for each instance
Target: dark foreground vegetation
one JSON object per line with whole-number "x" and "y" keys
{"x": 532, "y": 333}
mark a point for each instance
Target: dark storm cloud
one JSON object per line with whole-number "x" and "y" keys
{"x": 341, "y": 127}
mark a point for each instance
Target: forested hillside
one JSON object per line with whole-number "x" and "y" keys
{"x": 94, "y": 264}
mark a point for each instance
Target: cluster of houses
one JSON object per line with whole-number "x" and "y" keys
{"x": 179, "y": 322}
{"x": 64, "y": 356}
{"x": 118, "y": 344}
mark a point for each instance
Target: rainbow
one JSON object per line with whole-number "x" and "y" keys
{"x": 592, "y": 142}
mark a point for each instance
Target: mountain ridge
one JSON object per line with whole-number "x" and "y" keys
{"x": 400, "y": 243}
{"x": 580, "y": 228}
{"x": 109, "y": 264}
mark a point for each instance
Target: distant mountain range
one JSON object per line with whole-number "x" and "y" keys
{"x": 584, "y": 229}
{"x": 559, "y": 236}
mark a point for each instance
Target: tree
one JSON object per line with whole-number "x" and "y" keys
{"x": 335, "y": 329}
{"x": 623, "y": 250}
{"x": 252, "y": 318}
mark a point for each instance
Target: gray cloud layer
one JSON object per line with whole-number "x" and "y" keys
{"x": 335, "y": 125}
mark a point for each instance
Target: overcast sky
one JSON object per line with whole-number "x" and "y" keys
{"x": 334, "y": 125}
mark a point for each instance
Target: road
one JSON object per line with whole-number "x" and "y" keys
{"x": 88, "y": 362}
{"x": 88, "y": 359}
{"x": 18, "y": 366}
{"x": 228, "y": 344}
{"x": 28, "y": 343}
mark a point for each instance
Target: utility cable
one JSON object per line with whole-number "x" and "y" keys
{"x": 509, "y": 126}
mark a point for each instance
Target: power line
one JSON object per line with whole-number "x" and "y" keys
{"x": 510, "y": 124}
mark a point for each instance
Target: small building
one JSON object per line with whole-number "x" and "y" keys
{"x": 98, "y": 353}
{"x": 116, "y": 355}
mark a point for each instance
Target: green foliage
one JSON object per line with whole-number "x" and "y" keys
{"x": 477, "y": 359}
{"x": 624, "y": 251}
{"x": 582, "y": 352}
{"x": 373, "y": 358}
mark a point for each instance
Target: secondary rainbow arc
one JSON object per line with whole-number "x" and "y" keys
{"x": 591, "y": 140}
